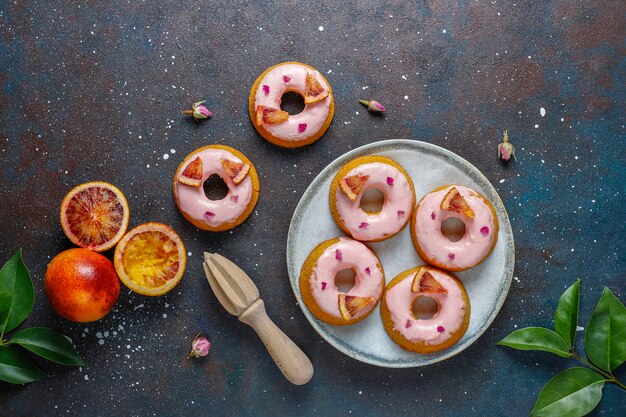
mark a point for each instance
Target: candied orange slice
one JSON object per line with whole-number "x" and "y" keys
{"x": 352, "y": 185}
{"x": 269, "y": 116}
{"x": 454, "y": 201}
{"x": 235, "y": 170}
{"x": 314, "y": 91}
{"x": 350, "y": 305}
{"x": 192, "y": 175}
{"x": 150, "y": 259}
{"x": 94, "y": 215}
{"x": 425, "y": 282}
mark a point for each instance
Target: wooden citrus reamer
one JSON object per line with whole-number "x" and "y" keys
{"x": 240, "y": 297}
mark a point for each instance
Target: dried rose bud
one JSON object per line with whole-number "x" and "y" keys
{"x": 505, "y": 149}
{"x": 199, "y": 347}
{"x": 198, "y": 111}
{"x": 373, "y": 106}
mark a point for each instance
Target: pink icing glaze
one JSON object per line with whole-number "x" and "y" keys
{"x": 398, "y": 198}
{"x": 474, "y": 244}
{"x": 312, "y": 117}
{"x": 195, "y": 203}
{"x": 353, "y": 255}
{"x": 452, "y": 306}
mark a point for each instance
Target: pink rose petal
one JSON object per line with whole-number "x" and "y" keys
{"x": 408, "y": 324}
{"x": 368, "y": 271}
{"x": 302, "y": 127}
{"x": 266, "y": 89}
{"x": 433, "y": 215}
{"x": 338, "y": 255}
{"x": 234, "y": 198}
{"x": 209, "y": 215}
{"x": 484, "y": 230}
{"x": 400, "y": 214}
{"x": 363, "y": 225}
{"x": 286, "y": 79}
{"x": 440, "y": 329}
{"x": 323, "y": 286}
{"x": 389, "y": 181}
{"x": 451, "y": 256}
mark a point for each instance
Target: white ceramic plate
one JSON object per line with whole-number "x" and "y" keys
{"x": 430, "y": 167}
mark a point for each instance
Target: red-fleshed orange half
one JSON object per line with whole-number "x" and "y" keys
{"x": 94, "y": 215}
{"x": 150, "y": 259}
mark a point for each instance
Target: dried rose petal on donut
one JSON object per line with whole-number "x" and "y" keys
{"x": 270, "y": 116}
{"x": 235, "y": 170}
{"x": 350, "y": 305}
{"x": 425, "y": 282}
{"x": 286, "y": 78}
{"x": 454, "y": 201}
{"x": 352, "y": 185}
{"x": 192, "y": 175}
{"x": 314, "y": 91}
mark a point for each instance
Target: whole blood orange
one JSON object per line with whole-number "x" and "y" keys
{"x": 150, "y": 259}
{"x": 95, "y": 215}
{"x": 81, "y": 285}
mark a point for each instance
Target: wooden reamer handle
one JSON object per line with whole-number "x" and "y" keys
{"x": 291, "y": 361}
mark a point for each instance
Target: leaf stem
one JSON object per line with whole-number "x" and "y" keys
{"x": 609, "y": 376}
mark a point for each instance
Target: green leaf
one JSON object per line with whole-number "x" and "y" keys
{"x": 572, "y": 393}
{"x": 16, "y": 293}
{"x": 605, "y": 338}
{"x": 566, "y": 316}
{"x": 536, "y": 338}
{"x": 48, "y": 344}
{"x": 16, "y": 367}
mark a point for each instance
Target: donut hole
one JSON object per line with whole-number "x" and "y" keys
{"x": 344, "y": 280}
{"x": 424, "y": 307}
{"x": 372, "y": 201}
{"x": 453, "y": 229}
{"x": 215, "y": 188}
{"x": 292, "y": 102}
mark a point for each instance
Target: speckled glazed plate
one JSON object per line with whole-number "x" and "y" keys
{"x": 430, "y": 167}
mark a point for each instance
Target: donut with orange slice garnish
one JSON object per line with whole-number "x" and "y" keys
{"x": 472, "y": 209}
{"x": 237, "y": 172}
{"x": 425, "y": 309}
{"x": 278, "y": 126}
{"x": 319, "y": 281}
{"x": 354, "y": 180}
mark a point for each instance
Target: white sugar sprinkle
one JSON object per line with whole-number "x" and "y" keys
{"x": 99, "y": 335}
{"x": 101, "y": 342}
{"x": 321, "y": 28}
{"x": 502, "y": 180}
{"x": 166, "y": 156}
{"x": 542, "y": 112}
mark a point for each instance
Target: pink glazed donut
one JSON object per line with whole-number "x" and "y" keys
{"x": 319, "y": 290}
{"x": 425, "y": 335}
{"x": 351, "y": 183}
{"x": 465, "y": 204}
{"x": 235, "y": 170}
{"x": 276, "y": 125}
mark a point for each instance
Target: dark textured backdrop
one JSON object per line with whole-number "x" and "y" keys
{"x": 93, "y": 91}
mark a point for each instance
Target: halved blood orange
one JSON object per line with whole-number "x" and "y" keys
{"x": 150, "y": 259}
{"x": 95, "y": 215}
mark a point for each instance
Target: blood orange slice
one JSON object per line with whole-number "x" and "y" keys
{"x": 350, "y": 305}
{"x": 95, "y": 215}
{"x": 270, "y": 116}
{"x": 454, "y": 201}
{"x": 352, "y": 185}
{"x": 235, "y": 170}
{"x": 425, "y": 282}
{"x": 150, "y": 259}
{"x": 192, "y": 174}
{"x": 314, "y": 91}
